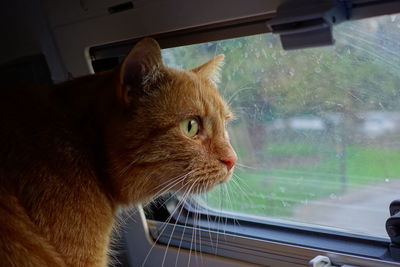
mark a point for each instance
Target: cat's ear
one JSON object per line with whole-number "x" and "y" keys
{"x": 211, "y": 70}
{"x": 140, "y": 70}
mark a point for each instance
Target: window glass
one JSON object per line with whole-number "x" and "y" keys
{"x": 317, "y": 130}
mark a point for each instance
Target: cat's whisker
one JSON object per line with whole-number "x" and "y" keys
{"x": 165, "y": 224}
{"x": 228, "y": 193}
{"x": 167, "y": 185}
{"x": 160, "y": 202}
{"x": 245, "y": 166}
{"x": 219, "y": 219}
{"x": 198, "y": 217}
{"x": 170, "y": 186}
{"x": 202, "y": 191}
{"x": 194, "y": 229}
{"x": 174, "y": 179}
{"x": 227, "y": 188}
{"x": 216, "y": 48}
{"x": 195, "y": 224}
{"x": 180, "y": 203}
{"x": 184, "y": 196}
{"x": 238, "y": 91}
{"x": 208, "y": 215}
{"x": 180, "y": 243}
{"x": 244, "y": 183}
{"x": 208, "y": 219}
{"x": 235, "y": 221}
{"x": 245, "y": 188}
{"x": 226, "y": 86}
{"x": 122, "y": 172}
{"x": 245, "y": 194}
{"x": 222, "y": 193}
{"x": 226, "y": 219}
{"x": 122, "y": 221}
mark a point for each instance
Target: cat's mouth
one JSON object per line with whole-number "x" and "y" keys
{"x": 226, "y": 178}
{"x": 199, "y": 186}
{"x": 208, "y": 184}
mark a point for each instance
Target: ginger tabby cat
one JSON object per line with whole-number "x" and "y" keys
{"x": 74, "y": 153}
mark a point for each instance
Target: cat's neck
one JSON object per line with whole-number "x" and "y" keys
{"x": 56, "y": 140}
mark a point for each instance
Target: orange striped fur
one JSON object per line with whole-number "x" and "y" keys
{"x": 73, "y": 153}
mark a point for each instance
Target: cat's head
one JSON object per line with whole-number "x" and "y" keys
{"x": 172, "y": 135}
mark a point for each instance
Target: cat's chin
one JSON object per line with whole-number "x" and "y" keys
{"x": 204, "y": 185}
{"x": 221, "y": 180}
{"x": 225, "y": 179}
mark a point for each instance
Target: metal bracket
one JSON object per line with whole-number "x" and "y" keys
{"x": 320, "y": 261}
{"x": 393, "y": 229}
{"x": 308, "y": 23}
{"x": 324, "y": 261}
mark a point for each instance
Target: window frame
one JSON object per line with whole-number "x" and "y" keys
{"x": 257, "y": 241}
{"x": 150, "y": 241}
{"x": 233, "y": 28}
{"x": 240, "y": 236}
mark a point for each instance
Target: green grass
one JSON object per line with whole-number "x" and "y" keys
{"x": 372, "y": 164}
{"x": 275, "y": 192}
{"x": 292, "y": 149}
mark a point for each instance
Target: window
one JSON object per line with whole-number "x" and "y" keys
{"x": 317, "y": 134}
{"x": 317, "y": 130}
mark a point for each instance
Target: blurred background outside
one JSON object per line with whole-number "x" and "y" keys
{"x": 317, "y": 130}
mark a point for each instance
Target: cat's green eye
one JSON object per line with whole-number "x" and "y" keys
{"x": 190, "y": 127}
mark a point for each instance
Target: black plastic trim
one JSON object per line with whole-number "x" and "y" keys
{"x": 208, "y": 33}
{"x": 193, "y": 215}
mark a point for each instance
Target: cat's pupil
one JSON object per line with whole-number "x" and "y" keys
{"x": 190, "y": 125}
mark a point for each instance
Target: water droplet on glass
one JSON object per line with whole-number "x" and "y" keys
{"x": 305, "y": 202}
{"x": 264, "y": 52}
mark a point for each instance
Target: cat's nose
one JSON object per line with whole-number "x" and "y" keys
{"x": 229, "y": 160}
